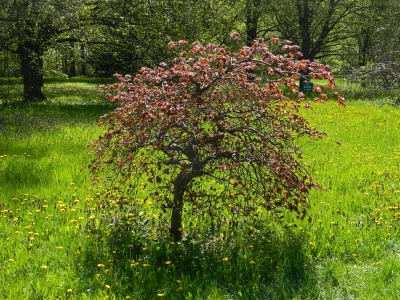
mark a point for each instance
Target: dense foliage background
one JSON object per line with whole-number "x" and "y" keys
{"x": 68, "y": 38}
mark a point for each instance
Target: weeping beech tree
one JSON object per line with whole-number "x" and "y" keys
{"x": 212, "y": 132}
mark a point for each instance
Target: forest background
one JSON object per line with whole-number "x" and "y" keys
{"x": 359, "y": 38}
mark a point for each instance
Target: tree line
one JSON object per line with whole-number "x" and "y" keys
{"x": 120, "y": 36}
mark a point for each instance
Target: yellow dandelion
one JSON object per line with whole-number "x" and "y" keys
{"x": 11, "y": 260}
{"x": 44, "y": 267}
{"x": 252, "y": 262}
{"x": 98, "y": 275}
{"x": 168, "y": 262}
{"x": 100, "y": 265}
{"x": 178, "y": 281}
{"x": 69, "y": 291}
{"x": 225, "y": 259}
{"x": 107, "y": 286}
{"x": 146, "y": 265}
{"x": 160, "y": 295}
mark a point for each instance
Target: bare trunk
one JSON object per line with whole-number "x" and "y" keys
{"x": 180, "y": 186}
{"x": 83, "y": 60}
{"x": 72, "y": 67}
{"x": 30, "y": 55}
{"x": 252, "y": 16}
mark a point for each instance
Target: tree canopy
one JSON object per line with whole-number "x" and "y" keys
{"x": 212, "y": 129}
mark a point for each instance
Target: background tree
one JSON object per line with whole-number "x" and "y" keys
{"x": 317, "y": 26}
{"x": 28, "y": 27}
{"x": 205, "y": 132}
{"x": 379, "y": 68}
{"x": 132, "y": 34}
{"x": 356, "y": 49}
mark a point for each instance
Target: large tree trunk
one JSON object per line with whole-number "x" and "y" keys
{"x": 252, "y": 16}
{"x": 305, "y": 18}
{"x": 30, "y": 55}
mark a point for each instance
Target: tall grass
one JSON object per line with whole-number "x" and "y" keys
{"x": 62, "y": 239}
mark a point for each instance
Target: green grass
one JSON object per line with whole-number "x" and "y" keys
{"x": 62, "y": 239}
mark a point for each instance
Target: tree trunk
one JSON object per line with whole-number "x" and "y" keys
{"x": 83, "y": 60}
{"x": 252, "y": 16}
{"x": 303, "y": 10}
{"x": 30, "y": 55}
{"x": 180, "y": 185}
{"x": 72, "y": 67}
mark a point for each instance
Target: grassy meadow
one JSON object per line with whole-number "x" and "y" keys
{"x": 60, "y": 238}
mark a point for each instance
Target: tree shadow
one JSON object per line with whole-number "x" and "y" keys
{"x": 269, "y": 264}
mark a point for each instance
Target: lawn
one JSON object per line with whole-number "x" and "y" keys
{"x": 62, "y": 239}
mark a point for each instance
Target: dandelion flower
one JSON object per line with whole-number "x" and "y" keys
{"x": 252, "y": 262}
{"x": 168, "y": 262}
{"x": 69, "y": 291}
{"x": 107, "y": 286}
{"x": 11, "y": 260}
{"x": 44, "y": 267}
{"x": 160, "y": 295}
{"x": 100, "y": 265}
{"x": 146, "y": 265}
{"x": 225, "y": 259}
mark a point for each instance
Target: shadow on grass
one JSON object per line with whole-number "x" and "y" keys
{"x": 25, "y": 119}
{"x": 141, "y": 262}
{"x": 57, "y": 90}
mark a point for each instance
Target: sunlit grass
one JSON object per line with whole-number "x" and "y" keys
{"x": 63, "y": 239}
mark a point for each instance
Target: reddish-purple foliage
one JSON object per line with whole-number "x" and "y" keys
{"x": 215, "y": 130}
